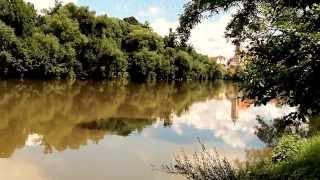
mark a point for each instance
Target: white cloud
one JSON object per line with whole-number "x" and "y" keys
{"x": 152, "y": 11}
{"x": 162, "y": 26}
{"x": 44, "y": 4}
{"x": 208, "y": 37}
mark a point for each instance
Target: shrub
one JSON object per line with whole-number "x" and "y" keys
{"x": 47, "y": 57}
{"x": 203, "y": 165}
{"x": 182, "y": 63}
{"x": 142, "y": 65}
{"x": 292, "y": 159}
{"x": 287, "y": 149}
{"x": 142, "y": 38}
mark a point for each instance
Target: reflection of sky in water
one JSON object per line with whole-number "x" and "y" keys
{"x": 131, "y": 157}
{"x": 211, "y": 122}
{"x": 88, "y": 154}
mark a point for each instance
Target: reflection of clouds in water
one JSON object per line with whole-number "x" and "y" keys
{"x": 215, "y": 115}
{"x": 14, "y": 169}
{"x": 34, "y": 140}
{"x": 268, "y": 112}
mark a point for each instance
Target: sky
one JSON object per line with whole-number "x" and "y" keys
{"x": 207, "y": 37}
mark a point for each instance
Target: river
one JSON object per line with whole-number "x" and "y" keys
{"x": 110, "y": 130}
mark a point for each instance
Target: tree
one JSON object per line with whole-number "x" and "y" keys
{"x": 11, "y": 53}
{"x": 85, "y": 18}
{"x": 171, "y": 40}
{"x": 19, "y": 15}
{"x": 165, "y": 69}
{"x": 182, "y": 64}
{"x": 66, "y": 29}
{"x": 131, "y": 20}
{"x": 283, "y": 36}
{"x": 142, "y": 65}
{"x": 197, "y": 10}
{"x": 141, "y": 38}
{"x": 68, "y": 41}
{"x": 48, "y": 58}
{"x": 101, "y": 58}
{"x": 9, "y": 41}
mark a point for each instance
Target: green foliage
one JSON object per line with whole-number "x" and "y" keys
{"x": 292, "y": 158}
{"x": 64, "y": 28}
{"x": 131, "y": 20}
{"x": 171, "y": 41}
{"x": 19, "y": 15}
{"x": 11, "y": 53}
{"x": 9, "y": 41}
{"x": 282, "y": 63}
{"x": 283, "y": 50}
{"x": 182, "y": 63}
{"x": 101, "y": 58}
{"x": 141, "y": 38}
{"x": 246, "y": 18}
{"x": 142, "y": 65}
{"x": 286, "y": 150}
{"x": 48, "y": 57}
{"x": 112, "y": 28}
{"x": 85, "y": 18}
{"x": 270, "y": 133}
{"x": 68, "y": 41}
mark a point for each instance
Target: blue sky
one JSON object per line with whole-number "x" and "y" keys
{"x": 207, "y": 38}
{"x": 144, "y": 10}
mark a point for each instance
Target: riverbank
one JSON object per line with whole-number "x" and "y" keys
{"x": 292, "y": 158}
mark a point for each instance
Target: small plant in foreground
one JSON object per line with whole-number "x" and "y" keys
{"x": 203, "y": 165}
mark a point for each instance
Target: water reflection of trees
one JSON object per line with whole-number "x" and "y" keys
{"x": 59, "y": 111}
{"x": 270, "y": 133}
{"x": 118, "y": 126}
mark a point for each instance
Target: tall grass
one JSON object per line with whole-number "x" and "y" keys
{"x": 202, "y": 165}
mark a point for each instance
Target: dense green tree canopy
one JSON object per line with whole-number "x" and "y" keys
{"x": 283, "y": 46}
{"x": 142, "y": 38}
{"x": 19, "y": 15}
{"x": 11, "y": 52}
{"x": 68, "y": 41}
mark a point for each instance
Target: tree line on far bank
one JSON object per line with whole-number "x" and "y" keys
{"x": 72, "y": 42}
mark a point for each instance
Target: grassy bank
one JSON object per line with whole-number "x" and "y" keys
{"x": 291, "y": 158}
